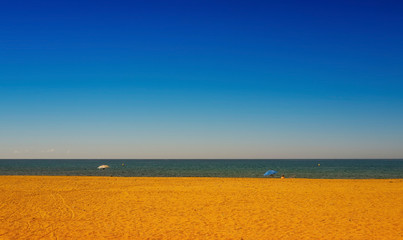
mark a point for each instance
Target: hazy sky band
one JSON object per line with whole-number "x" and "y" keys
{"x": 201, "y": 80}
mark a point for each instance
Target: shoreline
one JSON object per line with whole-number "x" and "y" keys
{"x": 201, "y": 177}
{"x": 94, "y": 207}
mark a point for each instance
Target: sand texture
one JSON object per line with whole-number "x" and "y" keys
{"x": 46, "y": 207}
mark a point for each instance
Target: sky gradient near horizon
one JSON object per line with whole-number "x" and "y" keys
{"x": 201, "y": 79}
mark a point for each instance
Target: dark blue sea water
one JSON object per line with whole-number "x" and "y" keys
{"x": 344, "y": 169}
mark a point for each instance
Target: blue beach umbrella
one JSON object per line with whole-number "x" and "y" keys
{"x": 270, "y": 172}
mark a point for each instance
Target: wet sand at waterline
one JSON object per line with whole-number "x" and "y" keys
{"x": 54, "y": 207}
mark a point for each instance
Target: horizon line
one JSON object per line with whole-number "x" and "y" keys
{"x": 201, "y": 158}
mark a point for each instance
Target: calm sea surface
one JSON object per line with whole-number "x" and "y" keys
{"x": 300, "y": 168}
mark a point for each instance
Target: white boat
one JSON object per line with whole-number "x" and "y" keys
{"x": 103, "y": 167}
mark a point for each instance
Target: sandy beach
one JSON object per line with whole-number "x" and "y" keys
{"x": 53, "y": 207}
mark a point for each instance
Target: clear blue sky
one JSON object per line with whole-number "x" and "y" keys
{"x": 201, "y": 79}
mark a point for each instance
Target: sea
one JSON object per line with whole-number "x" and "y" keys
{"x": 229, "y": 168}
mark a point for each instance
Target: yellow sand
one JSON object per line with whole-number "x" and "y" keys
{"x": 37, "y": 207}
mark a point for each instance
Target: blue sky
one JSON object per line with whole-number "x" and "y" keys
{"x": 201, "y": 79}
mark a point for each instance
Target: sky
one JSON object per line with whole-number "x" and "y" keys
{"x": 201, "y": 79}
